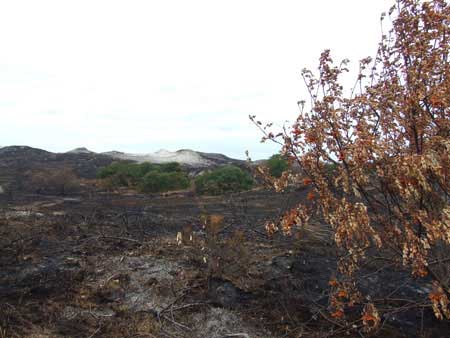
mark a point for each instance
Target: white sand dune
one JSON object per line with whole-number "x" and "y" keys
{"x": 184, "y": 156}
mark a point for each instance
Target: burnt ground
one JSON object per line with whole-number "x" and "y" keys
{"x": 101, "y": 264}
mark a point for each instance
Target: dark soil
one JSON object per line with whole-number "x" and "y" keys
{"x": 102, "y": 264}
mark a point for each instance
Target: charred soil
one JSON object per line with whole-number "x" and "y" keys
{"x": 99, "y": 264}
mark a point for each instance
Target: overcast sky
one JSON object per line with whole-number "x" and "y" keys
{"x": 138, "y": 76}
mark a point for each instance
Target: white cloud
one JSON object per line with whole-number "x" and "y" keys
{"x": 165, "y": 74}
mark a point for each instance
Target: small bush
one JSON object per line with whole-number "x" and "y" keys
{"x": 54, "y": 181}
{"x": 389, "y": 144}
{"x": 222, "y": 180}
{"x": 155, "y": 181}
{"x": 107, "y": 171}
{"x": 277, "y": 164}
{"x": 129, "y": 173}
{"x": 169, "y": 167}
{"x": 146, "y": 177}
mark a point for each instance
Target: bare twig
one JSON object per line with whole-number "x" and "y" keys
{"x": 95, "y": 332}
{"x": 176, "y": 323}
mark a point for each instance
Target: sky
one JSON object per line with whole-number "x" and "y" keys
{"x": 139, "y": 76}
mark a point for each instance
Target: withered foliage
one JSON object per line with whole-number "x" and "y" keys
{"x": 59, "y": 181}
{"x": 388, "y": 142}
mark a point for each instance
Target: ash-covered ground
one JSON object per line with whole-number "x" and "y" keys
{"x": 109, "y": 265}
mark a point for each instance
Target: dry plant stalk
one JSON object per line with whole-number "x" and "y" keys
{"x": 388, "y": 143}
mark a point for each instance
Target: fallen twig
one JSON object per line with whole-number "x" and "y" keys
{"x": 181, "y": 307}
{"x": 122, "y": 239}
{"x": 177, "y": 324}
{"x": 95, "y": 332}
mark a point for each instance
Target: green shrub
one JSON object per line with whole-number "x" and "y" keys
{"x": 147, "y": 177}
{"x": 155, "y": 181}
{"x": 222, "y": 180}
{"x": 277, "y": 164}
{"x": 136, "y": 170}
{"x": 170, "y": 167}
{"x": 109, "y": 170}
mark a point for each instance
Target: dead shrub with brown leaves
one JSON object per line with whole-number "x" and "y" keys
{"x": 388, "y": 141}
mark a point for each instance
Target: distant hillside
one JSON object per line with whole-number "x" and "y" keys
{"x": 23, "y": 158}
{"x": 17, "y": 163}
